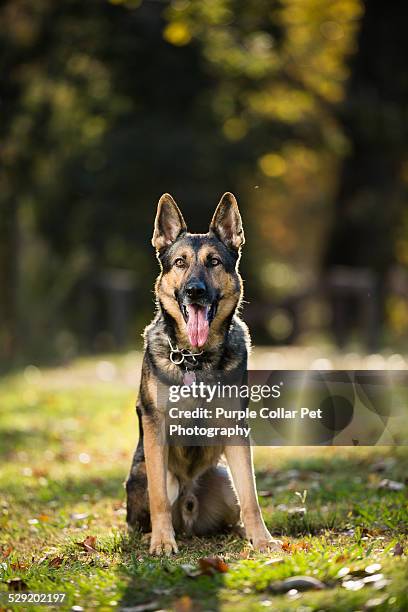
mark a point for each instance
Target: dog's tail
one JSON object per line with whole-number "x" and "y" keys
{"x": 207, "y": 505}
{"x": 189, "y": 511}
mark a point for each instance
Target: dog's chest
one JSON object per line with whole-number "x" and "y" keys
{"x": 188, "y": 462}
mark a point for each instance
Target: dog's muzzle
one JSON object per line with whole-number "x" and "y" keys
{"x": 198, "y": 310}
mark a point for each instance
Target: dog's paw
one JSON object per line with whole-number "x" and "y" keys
{"x": 267, "y": 546}
{"x": 262, "y": 541}
{"x": 163, "y": 547}
{"x": 163, "y": 543}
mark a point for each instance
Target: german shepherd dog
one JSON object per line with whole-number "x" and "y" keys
{"x": 187, "y": 489}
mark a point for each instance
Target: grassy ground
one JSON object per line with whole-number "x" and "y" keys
{"x": 66, "y": 438}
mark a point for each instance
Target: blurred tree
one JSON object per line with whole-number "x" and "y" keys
{"x": 90, "y": 139}
{"x": 8, "y": 281}
{"x": 107, "y": 104}
{"x": 370, "y": 201}
{"x": 281, "y": 70}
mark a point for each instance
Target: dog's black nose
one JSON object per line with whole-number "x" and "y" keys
{"x": 195, "y": 289}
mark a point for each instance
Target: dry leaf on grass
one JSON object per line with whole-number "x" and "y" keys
{"x": 118, "y": 505}
{"x": 212, "y": 565}
{"x": 245, "y": 554}
{"x": 18, "y": 566}
{"x": 183, "y": 604}
{"x": 39, "y": 472}
{"x": 89, "y": 544}
{"x": 292, "y": 547}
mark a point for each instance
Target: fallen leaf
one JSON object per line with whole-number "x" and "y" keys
{"x": 211, "y": 565}
{"x": 275, "y": 561}
{"x": 297, "y": 511}
{"x": 117, "y": 505}
{"x": 376, "y": 602}
{"x": 398, "y": 550}
{"x": 244, "y": 554}
{"x": 373, "y": 568}
{"x": 286, "y": 546}
{"x": 79, "y": 516}
{"x": 344, "y": 571}
{"x": 381, "y": 584}
{"x": 391, "y": 485}
{"x": 6, "y": 552}
{"x": 55, "y": 562}
{"x": 373, "y": 578}
{"x": 353, "y": 585}
{"x": 89, "y": 544}
{"x": 44, "y": 518}
{"x": 18, "y": 566}
{"x": 39, "y": 472}
{"x": 183, "y": 604}
{"x": 291, "y": 547}
{"x": 145, "y": 607}
{"x": 299, "y": 583}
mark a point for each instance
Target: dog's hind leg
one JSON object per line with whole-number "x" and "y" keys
{"x": 137, "y": 503}
{"x": 210, "y": 505}
{"x": 137, "y": 499}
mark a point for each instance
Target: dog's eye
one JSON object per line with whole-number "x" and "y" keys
{"x": 180, "y": 263}
{"x": 214, "y": 261}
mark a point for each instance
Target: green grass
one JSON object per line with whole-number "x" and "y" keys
{"x": 66, "y": 439}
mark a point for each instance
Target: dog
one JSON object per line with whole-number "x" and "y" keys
{"x": 188, "y": 489}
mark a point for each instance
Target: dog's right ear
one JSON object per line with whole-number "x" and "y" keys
{"x": 169, "y": 223}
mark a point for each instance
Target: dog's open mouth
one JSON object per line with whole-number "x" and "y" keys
{"x": 198, "y": 319}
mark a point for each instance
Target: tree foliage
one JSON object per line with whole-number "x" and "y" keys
{"x": 105, "y": 105}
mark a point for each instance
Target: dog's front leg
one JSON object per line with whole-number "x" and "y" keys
{"x": 241, "y": 466}
{"x": 156, "y": 452}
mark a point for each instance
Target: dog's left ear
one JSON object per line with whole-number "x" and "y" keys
{"x": 226, "y": 223}
{"x": 169, "y": 223}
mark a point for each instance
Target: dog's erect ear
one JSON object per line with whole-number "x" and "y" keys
{"x": 227, "y": 223}
{"x": 169, "y": 223}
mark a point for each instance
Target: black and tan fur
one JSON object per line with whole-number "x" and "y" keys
{"x": 189, "y": 489}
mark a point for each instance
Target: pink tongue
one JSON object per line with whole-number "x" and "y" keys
{"x": 197, "y": 324}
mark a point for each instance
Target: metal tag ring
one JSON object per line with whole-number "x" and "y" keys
{"x": 176, "y": 361}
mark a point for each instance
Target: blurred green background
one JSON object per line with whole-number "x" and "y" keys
{"x": 300, "y": 107}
